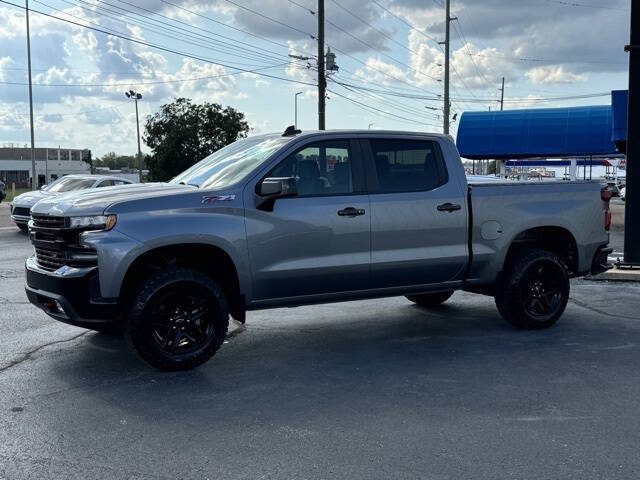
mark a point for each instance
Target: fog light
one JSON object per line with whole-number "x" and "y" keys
{"x": 54, "y": 307}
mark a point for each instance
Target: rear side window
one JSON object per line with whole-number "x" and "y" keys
{"x": 408, "y": 165}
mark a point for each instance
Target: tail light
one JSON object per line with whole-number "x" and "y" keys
{"x": 606, "y": 195}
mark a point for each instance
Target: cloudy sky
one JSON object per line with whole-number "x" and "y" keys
{"x": 236, "y": 52}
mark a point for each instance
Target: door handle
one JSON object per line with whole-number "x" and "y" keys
{"x": 351, "y": 212}
{"x": 448, "y": 207}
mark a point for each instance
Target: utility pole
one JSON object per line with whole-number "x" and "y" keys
{"x": 137, "y": 96}
{"x": 502, "y": 95}
{"x": 34, "y": 176}
{"x": 447, "y": 102}
{"x": 322, "y": 81}
{"x": 632, "y": 208}
{"x": 295, "y": 114}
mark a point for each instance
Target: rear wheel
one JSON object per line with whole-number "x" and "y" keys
{"x": 178, "y": 319}
{"x": 430, "y": 299}
{"x": 23, "y": 227}
{"x": 535, "y": 290}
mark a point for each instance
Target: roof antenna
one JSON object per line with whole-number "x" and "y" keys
{"x": 291, "y": 131}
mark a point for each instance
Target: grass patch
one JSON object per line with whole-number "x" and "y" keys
{"x": 9, "y": 197}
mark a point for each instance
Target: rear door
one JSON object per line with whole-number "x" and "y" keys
{"x": 317, "y": 242}
{"x": 418, "y": 214}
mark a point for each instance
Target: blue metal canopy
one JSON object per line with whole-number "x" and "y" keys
{"x": 545, "y": 132}
{"x": 619, "y": 103}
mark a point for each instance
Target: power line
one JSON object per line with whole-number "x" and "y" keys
{"x": 337, "y": 27}
{"x": 272, "y": 19}
{"x": 388, "y": 114}
{"x": 159, "y": 47}
{"x": 224, "y": 24}
{"x": 158, "y": 82}
{"x": 575, "y": 4}
{"x": 399, "y": 106}
{"x": 268, "y": 52}
{"x": 220, "y": 45}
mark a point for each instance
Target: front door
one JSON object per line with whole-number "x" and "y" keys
{"x": 418, "y": 215}
{"x": 317, "y": 242}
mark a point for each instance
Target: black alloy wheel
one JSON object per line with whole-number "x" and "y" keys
{"x": 177, "y": 319}
{"x": 182, "y": 321}
{"x": 542, "y": 289}
{"x": 534, "y": 290}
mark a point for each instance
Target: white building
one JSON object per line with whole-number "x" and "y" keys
{"x": 51, "y": 163}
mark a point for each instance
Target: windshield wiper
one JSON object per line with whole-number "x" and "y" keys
{"x": 192, "y": 184}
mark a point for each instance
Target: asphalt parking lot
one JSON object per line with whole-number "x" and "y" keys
{"x": 371, "y": 389}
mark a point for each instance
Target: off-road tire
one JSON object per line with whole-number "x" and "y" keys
{"x": 511, "y": 294}
{"x": 138, "y": 329}
{"x": 430, "y": 299}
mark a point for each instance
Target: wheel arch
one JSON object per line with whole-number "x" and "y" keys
{"x": 203, "y": 257}
{"x": 558, "y": 240}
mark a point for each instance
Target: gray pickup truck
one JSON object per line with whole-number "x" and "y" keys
{"x": 303, "y": 218}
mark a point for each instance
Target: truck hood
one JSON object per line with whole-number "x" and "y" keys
{"x": 95, "y": 201}
{"x": 29, "y": 199}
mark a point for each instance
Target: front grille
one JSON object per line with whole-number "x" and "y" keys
{"x": 21, "y": 211}
{"x": 47, "y": 221}
{"x": 57, "y": 246}
{"x": 49, "y": 258}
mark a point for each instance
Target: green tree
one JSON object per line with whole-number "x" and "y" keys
{"x": 183, "y": 133}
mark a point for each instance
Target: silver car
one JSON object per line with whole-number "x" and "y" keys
{"x": 21, "y": 205}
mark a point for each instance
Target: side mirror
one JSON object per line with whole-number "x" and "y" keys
{"x": 275, "y": 187}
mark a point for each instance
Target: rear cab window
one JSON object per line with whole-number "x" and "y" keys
{"x": 407, "y": 165}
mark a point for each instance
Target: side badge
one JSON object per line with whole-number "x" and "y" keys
{"x": 217, "y": 198}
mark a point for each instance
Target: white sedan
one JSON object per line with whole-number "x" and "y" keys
{"x": 21, "y": 205}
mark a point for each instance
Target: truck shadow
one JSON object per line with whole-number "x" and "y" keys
{"x": 302, "y": 358}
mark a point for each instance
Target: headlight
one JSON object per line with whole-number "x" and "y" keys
{"x": 94, "y": 222}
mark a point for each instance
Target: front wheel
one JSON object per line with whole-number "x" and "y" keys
{"x": 535, "y": 290}
{"x": 430, "y": 299}
{"x": 178, "y": 319}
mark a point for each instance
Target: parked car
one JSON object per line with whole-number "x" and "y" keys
{"x": 302, "y": 218}
{"x": 3, "y": 191}
{"x": 623, "y": 193}
{"x": 22, "y": 204}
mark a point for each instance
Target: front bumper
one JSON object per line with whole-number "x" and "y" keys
{"x": 70, "y": 295}
{"x": 21, "y": 219}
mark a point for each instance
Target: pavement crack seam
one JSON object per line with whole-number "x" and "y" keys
{"x": 601, "y": 312}
{"x": 29, "y": 355}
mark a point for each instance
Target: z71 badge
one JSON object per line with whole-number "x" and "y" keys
{"x": 217, "y": 198}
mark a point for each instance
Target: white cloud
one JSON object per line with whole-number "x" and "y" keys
{"x": 554, "y": 74}
{"x": 380, "y": 72}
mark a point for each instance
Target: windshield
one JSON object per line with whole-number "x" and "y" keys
{"x": 67, "y": 184}
{"x": 231, "y": 163}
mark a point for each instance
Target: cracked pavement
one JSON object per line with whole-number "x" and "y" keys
{"x": 371, "y": 389}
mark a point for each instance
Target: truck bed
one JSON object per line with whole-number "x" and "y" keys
{"x": 501, "y": 211}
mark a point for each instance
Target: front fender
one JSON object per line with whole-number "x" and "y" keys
{"x": 146, "y": 231}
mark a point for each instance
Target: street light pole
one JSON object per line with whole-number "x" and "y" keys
{"x": 137, "y": 96}
{"x": 295, "y": 101}
{"x": 34, "y": 176}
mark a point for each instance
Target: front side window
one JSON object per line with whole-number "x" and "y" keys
{"x": 408, "y": 165}
{"x": 323, "y": 168}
